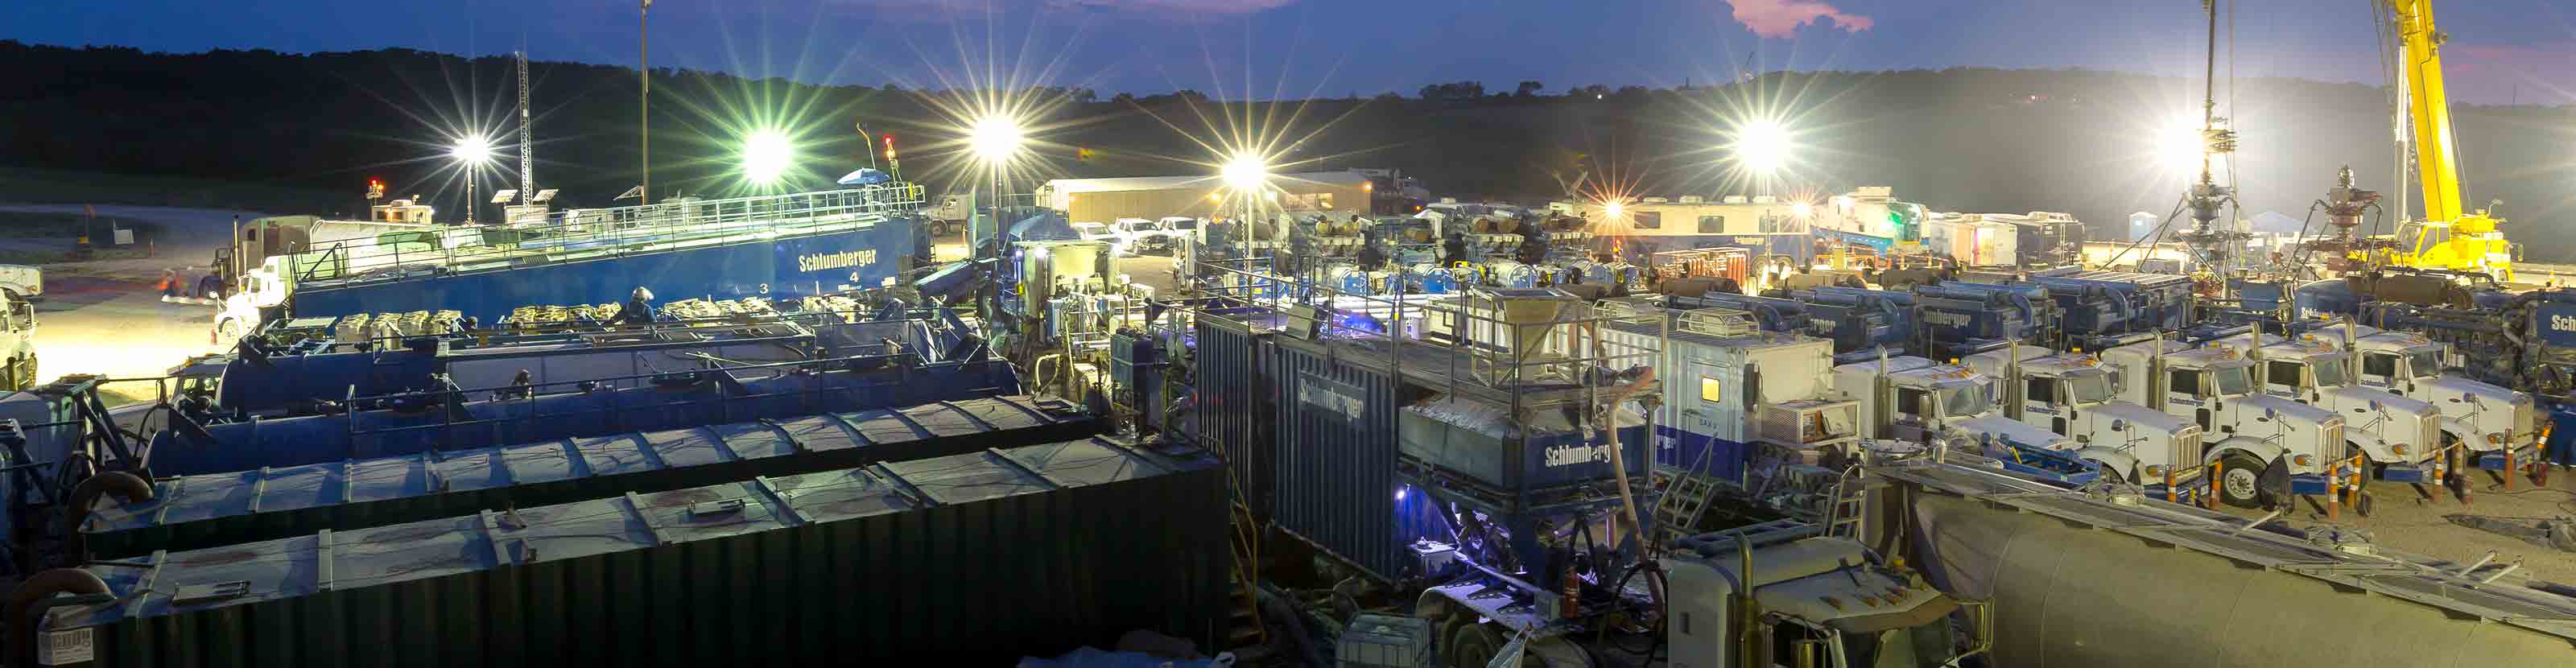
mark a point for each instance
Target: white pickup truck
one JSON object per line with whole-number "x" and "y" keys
{"x": 22, "y": 283}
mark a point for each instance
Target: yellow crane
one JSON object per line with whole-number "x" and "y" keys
{"x": 2449, "y": 237}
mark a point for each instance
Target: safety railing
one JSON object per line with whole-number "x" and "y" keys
{"x": 529, "y": 396}
{"x": 611, "y": 231}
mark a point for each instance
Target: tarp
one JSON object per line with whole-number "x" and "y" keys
{"x": 1047, "y": 225}
{"x": 864, "y": 177}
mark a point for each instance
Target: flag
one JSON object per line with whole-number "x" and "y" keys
{"x": 93, "y": 211}
{"x": 638, "y": 191}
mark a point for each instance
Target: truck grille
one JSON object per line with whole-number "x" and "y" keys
{"x": 2430, "y": 440}
{"x": 2185, "y": 455}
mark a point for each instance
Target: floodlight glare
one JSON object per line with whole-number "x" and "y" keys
{"x": 2180, "y": 147}
{"x": 1246, "y": 172}
{"x": 1762, "y": 146}
{"x": 471, "y": 150}
{"x": 1802, "y": 209}
{"x": 994, "y": 138}
{"x": 765, "y": 157}
{"x": 1613, "y": 208}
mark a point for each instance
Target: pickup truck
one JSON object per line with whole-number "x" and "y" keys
{"x": 22, "y": 283}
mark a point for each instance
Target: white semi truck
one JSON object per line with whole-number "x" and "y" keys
{"x": 2402, "y": 437}
{"x": 2264, "y": 445}
{"x": 2491, "y": 419}
{"x": 2073, "y": 395}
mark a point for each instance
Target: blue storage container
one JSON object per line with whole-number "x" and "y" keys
{"x": 190, "y": 512}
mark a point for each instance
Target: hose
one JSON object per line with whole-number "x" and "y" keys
{"x": 37, "y": 589}
{"x": 1619, "y": 467}
{"x": 127, "y": 488}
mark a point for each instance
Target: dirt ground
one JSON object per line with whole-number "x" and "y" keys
{"x": 2408, "y": 519}
{"x": 104, "y": 317}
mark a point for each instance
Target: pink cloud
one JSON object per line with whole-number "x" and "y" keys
{"x": 979, "y": 7}
{"x": 1780, "y": 19}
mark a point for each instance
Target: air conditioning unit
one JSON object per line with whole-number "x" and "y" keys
{"x": 1693, "y": 199}
{"x": 1735, "y": 199}
{"x": 1654, "y": 200}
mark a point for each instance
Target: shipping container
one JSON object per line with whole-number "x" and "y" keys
{"x": 192, "y": 512}
{"x": 1235, "y": 415}
{"x": 1334, "y": 477}
{"x": 415, "y": 423}
{"x": 972, "y": 559}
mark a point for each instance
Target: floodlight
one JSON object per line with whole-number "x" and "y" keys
{"x": 505, "y": 195}
{"x": 2180, "y": 146}
{"x": 995, "y": 138}
{"x": 1246, "y": 172}
{"x": 765, "y": 157}
{"x": 543, "y": 196}
{"x": 1762, "y": 146}
{"x": 472, "y": 150}
{"x": 1614, "y": 208}
{"x": 1802, "y": 209}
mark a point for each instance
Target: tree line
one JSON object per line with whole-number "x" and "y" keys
{"x": 304, "y": 132}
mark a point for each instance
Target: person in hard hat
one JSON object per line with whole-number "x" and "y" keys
{"x": 638, "y": 309}
{"x": 169, "y": 285}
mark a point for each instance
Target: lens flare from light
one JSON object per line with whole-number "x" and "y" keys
{"x": 995, "y": 138}
{"x": 1615, "y": 209}
{"x": 472, "y": 150}
{"x": 1246, "y": 172}
{"x": 1802, "y": 209}
{"x": 766, "y": 156}
{"x": 1762, "y": 146}
{"x": 2179, "y": 147}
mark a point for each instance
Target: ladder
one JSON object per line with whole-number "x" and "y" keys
{"x": 1843, "y": 512}
{"x": 1686, "y": 497}
{"x": 1243, "y": 618}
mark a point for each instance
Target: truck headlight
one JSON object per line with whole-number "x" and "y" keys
{"x": 2400, "y": 449}
{"x": 2155, "y": 470}
{"x": 2303, "y": 460}
{"x": 2495, "y": 439}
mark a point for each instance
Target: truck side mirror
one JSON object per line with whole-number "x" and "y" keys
{"x": 2119, "y": 425}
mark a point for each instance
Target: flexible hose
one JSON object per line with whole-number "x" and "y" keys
{"x": 22, "y": 623}
{"x": 126, "y": 486}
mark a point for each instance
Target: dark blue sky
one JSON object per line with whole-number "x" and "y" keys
{"x": 2501, "y": 50}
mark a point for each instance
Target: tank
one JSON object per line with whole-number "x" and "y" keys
{"x": 2077, "y": 583}
{"x": 420, "y": 422}
{"x": 872, "y": 565}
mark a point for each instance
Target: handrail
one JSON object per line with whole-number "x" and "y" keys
{"x": 620, "y": 230}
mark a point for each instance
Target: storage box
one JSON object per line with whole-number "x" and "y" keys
{"x": 1380, "y": 641}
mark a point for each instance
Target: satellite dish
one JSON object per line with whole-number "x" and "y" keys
{"x": 505, "y": 195}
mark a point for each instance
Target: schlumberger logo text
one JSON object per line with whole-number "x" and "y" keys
{"x": 2562, "y": 323}
{"x": 821, "y": 261}
{"x": 1569, "y": 455}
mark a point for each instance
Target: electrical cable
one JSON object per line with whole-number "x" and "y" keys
{"x": 2157, "y": 234}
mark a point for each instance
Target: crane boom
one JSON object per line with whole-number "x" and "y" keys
{"x": 2429, "y": 106}
{"x": 527, "y": 139}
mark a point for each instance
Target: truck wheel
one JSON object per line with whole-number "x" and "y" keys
{"x": 2110, "y": 472}
{"x": 1472, "y": 646}
{"x": 228, "y": 332}
{"x": 2241, "y": 484}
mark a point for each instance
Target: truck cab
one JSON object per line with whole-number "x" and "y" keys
{"x": 1917, "y": 400}
{"x": 22, "y": 283}
{"x": 258, "y": 296}
{"x": 17, "y": 343}
{"x": 2074, "y": 395}
{"x": 1140, "y": 236}
{"x": 2489, "y": 418}
{"x": 1826, "y": 602}
{"x": 2264, "y": 444}
{"x": 2401, "y": 435}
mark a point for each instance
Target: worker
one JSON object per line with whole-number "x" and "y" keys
{"x": 638, "y": 309}
{"x": 522, "y": 386}
{"x": 169, "y": 285}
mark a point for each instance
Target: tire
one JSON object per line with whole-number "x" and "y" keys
{"x": 2112, "y": 472}
{"x": 1472, "y": 645}
{"x": 2241, "y": 481}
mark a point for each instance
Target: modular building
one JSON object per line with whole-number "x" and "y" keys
{"x": 1344, "y": 193}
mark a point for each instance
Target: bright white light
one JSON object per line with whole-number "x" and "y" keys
{"x": 473, "y": 150}
{"x": 2179, "y": 146}
{"x": 1802, "y": 209}
{"x": 1762, "y": 146}
{"x": 1399, "y": 494}
{"x": 1246, "y": 172}
{"x": 1615, "y": 209}
{"x": 766, "y": 155}
{"x": 994, "y": 138}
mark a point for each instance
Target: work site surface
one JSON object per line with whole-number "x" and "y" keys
{"x": 2419, "y": 520}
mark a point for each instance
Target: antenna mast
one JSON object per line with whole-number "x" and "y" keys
{"x": 527, "y": 139}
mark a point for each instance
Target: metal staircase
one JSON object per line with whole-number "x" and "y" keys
{"x": 1844, "y": 510}
{"x": 1243, "y": 618}
{"x": 1686, "y": 497}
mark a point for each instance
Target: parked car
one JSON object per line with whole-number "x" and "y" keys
{"x": 1142, "y": 237}
{"x": 1093, "y": 231}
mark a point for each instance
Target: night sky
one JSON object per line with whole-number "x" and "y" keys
{"x": 2500, "y": 51}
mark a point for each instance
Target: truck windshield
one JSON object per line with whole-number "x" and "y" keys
{"x": 2424, "y": 363}
{"x": 2329, "y": 372}
{"x": 1968, "y": 400}
{"x": 2233, "y": 380}
{"x": 2089, "y": 388}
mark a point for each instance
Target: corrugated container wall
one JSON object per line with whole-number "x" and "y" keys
{"x": 1336, "y": 478}
{"x": 1236, "y": 418}
{"x": 967, "y": 560}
